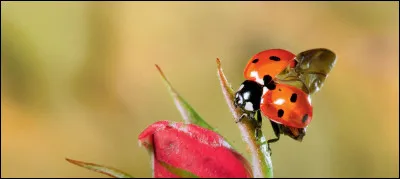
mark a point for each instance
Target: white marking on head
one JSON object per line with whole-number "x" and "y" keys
{"x": 279, "y": 101}
{"x": 246, "y": 95}
{"x": 249, "y": 106}
{"x": 240, "y": 100}
{"x": 241, "y": 87}
{"x": 258, "y": 79}
{"x": 237, "y": 95}
{"x": 309, "y": 99}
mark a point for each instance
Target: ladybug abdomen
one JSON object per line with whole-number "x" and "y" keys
{"x": 287, "y": 105}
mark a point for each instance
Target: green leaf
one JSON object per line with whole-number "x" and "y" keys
{"x": 188, "y": 113}
{"x": 311, "y": 71}
{"x": 177, "y": 171}
{"x": 261, "y": 158}
{"x": 101, "y": 169}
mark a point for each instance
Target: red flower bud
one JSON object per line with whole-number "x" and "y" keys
{"x": 193, "y": 149}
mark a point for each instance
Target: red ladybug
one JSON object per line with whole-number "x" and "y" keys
{"x": 288, "y": 106}
{"x": 268, "y": 62}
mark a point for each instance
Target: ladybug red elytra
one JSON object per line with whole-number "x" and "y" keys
{"x": 287, "y": 106}
{"x": 268, "y": 62}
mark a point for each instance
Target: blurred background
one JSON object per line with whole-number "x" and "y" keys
{"x": 78, "y": 80}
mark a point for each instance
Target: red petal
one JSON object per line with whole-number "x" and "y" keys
{"x": 192, "y": 148}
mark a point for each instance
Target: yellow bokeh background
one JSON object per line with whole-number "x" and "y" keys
{"x": 78, "y": 80}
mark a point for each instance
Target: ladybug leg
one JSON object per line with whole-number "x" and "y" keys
{"x": 276, "y": 128}
{"x": 241, "y": 117}
{"x": 272, "y": 141}
{"x": 258, "y": 124}
{"x": 277, "y": 132}
{"x": 248, "y": 115}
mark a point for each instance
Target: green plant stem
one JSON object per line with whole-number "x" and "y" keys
{"x": 261, "y": 159}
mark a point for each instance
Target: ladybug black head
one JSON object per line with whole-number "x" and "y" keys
{"x": 248, "y": 96}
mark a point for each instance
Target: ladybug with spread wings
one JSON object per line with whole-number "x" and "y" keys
{"x": 279, "y": 86}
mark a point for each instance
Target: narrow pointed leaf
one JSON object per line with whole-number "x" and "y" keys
{"x": 261, "y": 159}
{"x": 101, "y": 169}
{"x": 177, "y": 171}
{"x": 188, "y": 113}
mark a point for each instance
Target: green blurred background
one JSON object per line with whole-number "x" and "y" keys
{"x": 78, "y": 80}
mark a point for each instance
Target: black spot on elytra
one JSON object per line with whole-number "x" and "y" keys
{"x": 275, "y": 58}
{"x": 279, "y": 89}
{"x": 280, "y": 112}
{"x": 255, "y": 60}
{"x": 293, "y": 98}
{"x": 271, "y": 86}
{"x": 305, "y": 117}
{"x": 267, "y": 79}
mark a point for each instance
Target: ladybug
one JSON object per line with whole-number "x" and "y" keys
{"x": 279, "y": 84}
{"x": 268, "y": 62}
{"x": 286, "y": 106}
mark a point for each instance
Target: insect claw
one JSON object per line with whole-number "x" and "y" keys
{"x": 240, "y": 118}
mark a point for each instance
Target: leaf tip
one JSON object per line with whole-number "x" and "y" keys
{"x": 218, "y": 62}
{"x": 158, "y": 67}
{"x": 162, "y": 74}
{"x": 74, "y": 162}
